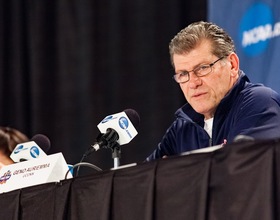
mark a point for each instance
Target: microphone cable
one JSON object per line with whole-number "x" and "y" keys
{"x": 78, "y": 165}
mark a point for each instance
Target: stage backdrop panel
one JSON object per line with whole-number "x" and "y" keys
{"x": 255, "y": 27}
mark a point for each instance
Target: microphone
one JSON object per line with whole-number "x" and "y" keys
{"x": 117, "y": 129}
{"x": 43, "y": 141}
{"x": 242, "y": 138}
{"x": 30, "y": 150}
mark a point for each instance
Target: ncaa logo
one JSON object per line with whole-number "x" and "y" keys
{"x": 256, "y": 29}
{"x": 18, "y": 149}
{"x": 123, "y": 123}
{"x": 108, "y": 118}
{"x": 34, "y": 152}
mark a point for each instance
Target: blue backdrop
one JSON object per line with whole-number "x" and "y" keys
{"x": 255, "y": 28}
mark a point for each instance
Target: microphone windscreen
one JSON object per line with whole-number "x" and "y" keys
{"x": 133, "y": 116}
{"x": 43, "y": 142}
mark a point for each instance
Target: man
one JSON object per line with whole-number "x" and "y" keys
{"x": 221, "y": 102}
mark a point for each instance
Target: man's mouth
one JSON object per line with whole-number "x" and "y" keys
{"x": 199, "y": 94}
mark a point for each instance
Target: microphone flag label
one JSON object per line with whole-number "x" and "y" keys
{"x": 121, "y": 124}
{"x": 26, "y": 151}
{"x": 34, "y": 150}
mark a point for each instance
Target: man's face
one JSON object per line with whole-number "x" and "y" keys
{"x": 205, "y": 93}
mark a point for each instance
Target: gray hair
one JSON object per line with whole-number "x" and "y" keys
{"x": 189, "y": 38}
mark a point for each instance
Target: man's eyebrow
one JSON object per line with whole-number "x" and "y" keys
{"x": 197, "y": 65}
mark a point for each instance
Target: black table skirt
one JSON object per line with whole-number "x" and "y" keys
{"x": 239, "y": 182}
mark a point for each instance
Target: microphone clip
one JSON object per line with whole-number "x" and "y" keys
{"x": 109, "y": 139}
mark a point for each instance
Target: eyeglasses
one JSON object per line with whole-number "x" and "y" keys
{"x": 199, "y": 71}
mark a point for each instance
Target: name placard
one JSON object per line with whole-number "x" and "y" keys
{"x": 46, "y": 169}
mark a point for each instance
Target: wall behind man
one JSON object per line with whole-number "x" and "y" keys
{"x": 65, "y": 65}
{"x": 254, "y": 26}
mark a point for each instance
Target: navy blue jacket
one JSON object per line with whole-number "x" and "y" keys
{"x": 248, "y": 109}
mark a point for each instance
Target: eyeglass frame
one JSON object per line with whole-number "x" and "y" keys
{"x": 194, "y": 71}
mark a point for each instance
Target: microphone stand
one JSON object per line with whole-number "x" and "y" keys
{"x": 116, "y": 154}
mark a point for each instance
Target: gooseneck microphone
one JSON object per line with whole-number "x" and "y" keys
{"x": 243, "y": 138}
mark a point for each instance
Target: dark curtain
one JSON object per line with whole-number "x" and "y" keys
{"x": 65, "y": 65}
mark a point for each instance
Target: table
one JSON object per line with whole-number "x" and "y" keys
{"x": 240, "y": 181}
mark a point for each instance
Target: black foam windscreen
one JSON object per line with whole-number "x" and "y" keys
{"x": 43, "y": 142}
{"x": 133, "y": 116}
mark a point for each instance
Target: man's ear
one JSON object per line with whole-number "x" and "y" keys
{"x": 234, "y": 62}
